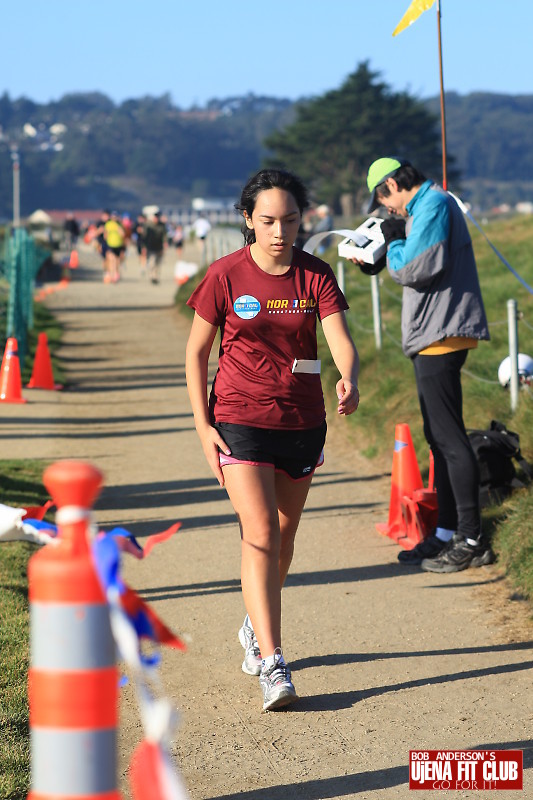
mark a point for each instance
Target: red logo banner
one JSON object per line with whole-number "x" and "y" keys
{"x": 466, "y": 769}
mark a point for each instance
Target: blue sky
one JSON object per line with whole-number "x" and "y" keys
{"x": 281, "y": 48}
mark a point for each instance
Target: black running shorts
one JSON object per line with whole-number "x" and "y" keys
{"x": 297, "y": 453}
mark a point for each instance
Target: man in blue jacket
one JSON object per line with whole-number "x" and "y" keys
{"x": 429, "y": 253}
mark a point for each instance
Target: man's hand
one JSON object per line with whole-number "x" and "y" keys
{"x": 393, "y": 229}
{"x": 370, "y": 269}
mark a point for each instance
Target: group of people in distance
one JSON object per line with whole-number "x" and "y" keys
{"x": 113, "y": 234}
{"x": 150, "y": 233}
{"x": 262, "y": 426}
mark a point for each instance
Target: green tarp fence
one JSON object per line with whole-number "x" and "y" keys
{"x": 19, "y": 266}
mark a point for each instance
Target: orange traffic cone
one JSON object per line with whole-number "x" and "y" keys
{"x": 74, "y": 261}
{"x": 10, "y": 382}
{"x": 42, "y": 376}
{"x": 406, "y": 479}
{"x": 420, "y": 511}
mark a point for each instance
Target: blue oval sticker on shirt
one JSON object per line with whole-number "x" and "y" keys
{"x": 246, "y": 306}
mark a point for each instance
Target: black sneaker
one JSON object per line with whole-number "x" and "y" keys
{"x": 484, "y": 556}
{"x": 459, "y": 555}
{"x": 427, "y": 548}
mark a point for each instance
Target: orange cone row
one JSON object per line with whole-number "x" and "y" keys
{"x": 72, "y": 263}
{"x": 73, "y": 678}
{"x": 413, "y": 509}
{"x": 42, "y": 374}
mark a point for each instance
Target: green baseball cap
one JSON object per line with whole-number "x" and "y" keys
{"x": 378, "y": 172}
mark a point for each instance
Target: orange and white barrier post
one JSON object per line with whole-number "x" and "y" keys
{"x": 73, "y": 677}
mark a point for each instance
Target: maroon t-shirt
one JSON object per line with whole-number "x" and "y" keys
{"x": 266, "y": 322}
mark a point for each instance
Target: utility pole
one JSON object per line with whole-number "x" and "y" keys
{"x": 16, "y": 186}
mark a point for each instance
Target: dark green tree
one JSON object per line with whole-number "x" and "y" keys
{"x": 336, "y": 136}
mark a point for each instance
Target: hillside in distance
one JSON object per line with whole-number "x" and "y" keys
{"x": 489, "y": 135}
{"x": 84, "y": 151}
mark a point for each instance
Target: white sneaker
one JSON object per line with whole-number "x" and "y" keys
{"x": 252, "y": 655}
{"x": 276, "y": 683}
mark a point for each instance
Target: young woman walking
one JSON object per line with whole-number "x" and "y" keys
{"x": 263, "y": 427}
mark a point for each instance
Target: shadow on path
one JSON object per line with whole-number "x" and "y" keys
{"x": 357, "y": 782}
{"x": 340, "y": 700}
{"x": 338, "y": 786}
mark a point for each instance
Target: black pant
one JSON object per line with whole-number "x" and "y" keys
{"x": 438, "y": 380}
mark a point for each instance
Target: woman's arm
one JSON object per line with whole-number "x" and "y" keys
{"x": 346, "y": 359}
{"x": 199, "y": 346}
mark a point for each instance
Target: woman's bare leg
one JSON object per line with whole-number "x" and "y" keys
{"x": 291, "y": 496}
{"x": 267, "y": 542}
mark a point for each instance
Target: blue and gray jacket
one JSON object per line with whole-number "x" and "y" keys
{"x": 436, "y": 266}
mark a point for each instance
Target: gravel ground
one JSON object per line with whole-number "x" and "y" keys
{"x": 385, "y": 658}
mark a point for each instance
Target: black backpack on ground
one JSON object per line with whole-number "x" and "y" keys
{"x": 496, "y": 450}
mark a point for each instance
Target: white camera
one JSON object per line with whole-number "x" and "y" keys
{"x": 366, "y": 243}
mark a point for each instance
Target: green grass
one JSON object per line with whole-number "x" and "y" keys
{"x": 20, "y": 485}
{"x": 513, "y": 540}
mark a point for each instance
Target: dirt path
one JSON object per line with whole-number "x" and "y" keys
{"x": 386, "y": 659}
